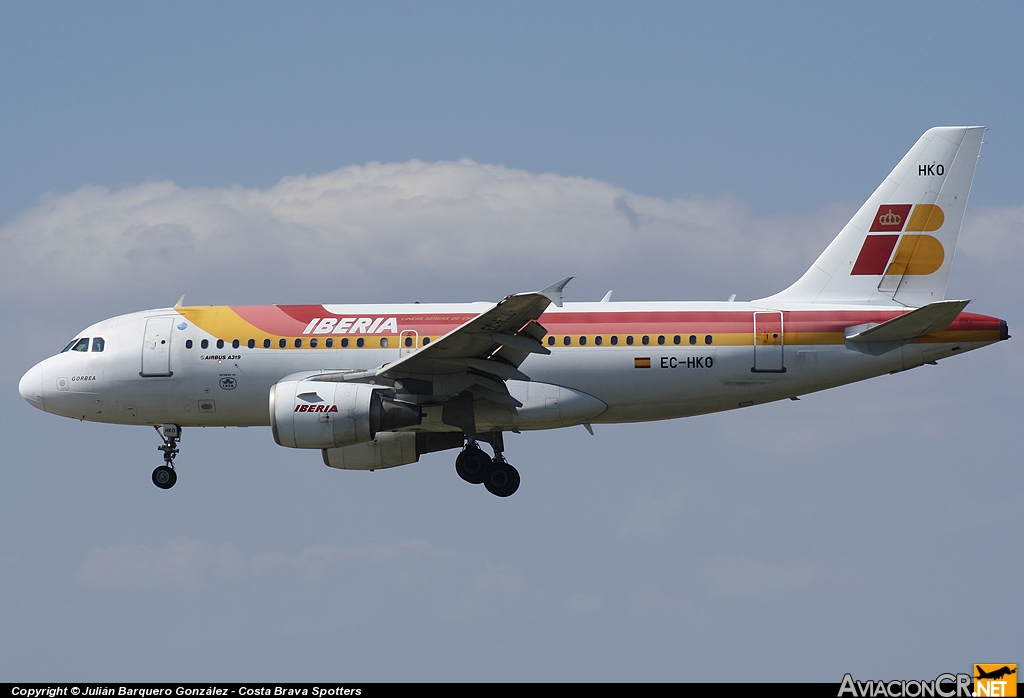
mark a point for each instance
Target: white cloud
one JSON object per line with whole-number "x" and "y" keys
{"x": 410, "y": 222}
{"x": 992, "y": 241}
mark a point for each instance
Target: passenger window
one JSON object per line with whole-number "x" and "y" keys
{"x": 205, "y": 344}
{"x": 426, "y": 341}
{"x": 220, "y": 343}
{"x": 693, "y": 339}
{"x": 251, "y": 344}
{"x": 360, "y": 342}
{"x": 82, "y": 345}
{"x": 598, "y": 340}
{"x": 583, "y": 341}
{"x": 551, "y": 340}
{"x": 234, "y": 343}
{"x": 188, "y": 343}
{"x": 98, "y": 343}
{"x": 266, "y": 343}
{"x": 298, "y": 343}
{"x": 383, "y": 341}
{"x": 282, "y": 342}
{"x": 330, "y": 342}
{"x": 629, "y": 339}
{"x": 646, "y": 340}
{"x": 567, "y": 340}
{"x": 344, "y": 342}
{"x": 70, "y": 344}
{"x": 312, "y": 343}
{"x": 707, "y": 339}
{"x": 661, "y": 339}
{"x": 408, "y": 341}
{"x": 615, "y": 339}
{"x": 677, "y": 339}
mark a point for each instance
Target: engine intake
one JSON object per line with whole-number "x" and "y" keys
{"x": 321, "y": 414}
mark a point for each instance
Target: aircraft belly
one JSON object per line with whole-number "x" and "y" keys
{"x": 680, "y": 383}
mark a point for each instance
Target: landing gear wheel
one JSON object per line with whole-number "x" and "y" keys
{"x": 164, "y": 477}
{"x": 473, "y": 465}
{"x": 503, "y": 480}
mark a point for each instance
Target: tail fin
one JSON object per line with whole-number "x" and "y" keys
{"x": 898, "y": 248}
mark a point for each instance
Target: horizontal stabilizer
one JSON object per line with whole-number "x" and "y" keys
{"x": 934, "y": 317}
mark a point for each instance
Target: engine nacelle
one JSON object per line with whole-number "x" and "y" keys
{"x": 391, "y": 448}
{"x": 325, "y": 414}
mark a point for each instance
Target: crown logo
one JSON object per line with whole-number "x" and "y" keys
{"x": 890, "y": 218}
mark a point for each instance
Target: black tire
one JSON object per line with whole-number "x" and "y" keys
{"x": 164, "y": 477}
{"x": 473, "y": 465}
{"x": 503, "y": 480}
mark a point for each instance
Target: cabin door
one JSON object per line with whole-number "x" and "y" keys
{"x": 156, "y": 347}
{"x": 769, "y": 342}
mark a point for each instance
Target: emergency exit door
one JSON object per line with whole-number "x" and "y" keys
{"x": 408, "y": 341}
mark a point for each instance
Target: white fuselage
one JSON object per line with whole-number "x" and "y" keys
{"x": 585, "y": 379}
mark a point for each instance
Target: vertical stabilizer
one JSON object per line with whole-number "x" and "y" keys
{"x": 898, "y": 248}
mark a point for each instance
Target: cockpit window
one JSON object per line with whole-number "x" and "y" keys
{"x": 81, "y": 345}
{"x": 70, "y": 344}
{"x": 97, "y": 343}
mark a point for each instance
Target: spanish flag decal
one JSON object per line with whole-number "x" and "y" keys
{"x": 642, "y": 362}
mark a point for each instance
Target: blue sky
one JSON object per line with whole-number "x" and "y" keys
{"x": 189, "y": 148}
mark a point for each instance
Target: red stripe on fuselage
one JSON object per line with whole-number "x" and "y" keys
{"x": 292, "y": 320}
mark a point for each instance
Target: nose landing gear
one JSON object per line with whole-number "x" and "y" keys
{"x": 496, "y": 474}
{"x": 164, "y": 476}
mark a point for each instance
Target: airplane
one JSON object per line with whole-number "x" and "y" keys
{"x": 995, "y": 674}
{"x": 378, "y": 386}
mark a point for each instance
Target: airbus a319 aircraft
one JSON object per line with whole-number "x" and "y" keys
{"x": 376, "y": 386}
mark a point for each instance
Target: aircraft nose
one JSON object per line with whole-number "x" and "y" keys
{"x": 31, "y": 386}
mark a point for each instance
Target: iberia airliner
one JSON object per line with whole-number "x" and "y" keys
{"x": 375, "y": 386}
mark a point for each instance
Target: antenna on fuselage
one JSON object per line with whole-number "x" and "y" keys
{"x": 180, "y": 303}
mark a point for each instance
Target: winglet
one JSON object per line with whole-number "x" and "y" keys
{"x": 554, "y": 291}
{"x": 181, "y": 302}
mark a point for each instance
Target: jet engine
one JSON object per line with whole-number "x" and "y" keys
{"x": 325, "y": 414}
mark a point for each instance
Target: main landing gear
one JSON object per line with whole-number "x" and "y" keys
{"x": 164, "y": 476}
{"x": 496, "y": 474}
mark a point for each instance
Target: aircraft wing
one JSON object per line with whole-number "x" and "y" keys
{"x": 494, "y": 343}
